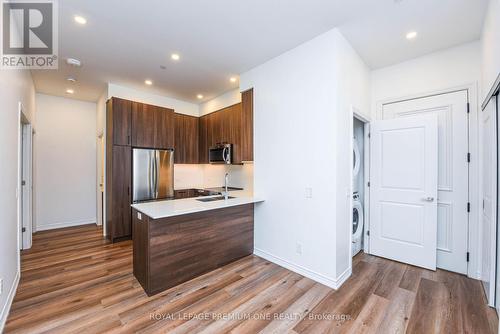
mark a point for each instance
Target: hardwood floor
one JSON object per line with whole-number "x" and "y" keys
{"x": 73, "y": 281}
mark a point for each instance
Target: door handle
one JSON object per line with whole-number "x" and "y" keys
{"x": 428, "y": 199}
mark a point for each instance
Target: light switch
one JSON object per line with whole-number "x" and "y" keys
{"x": 139, "y": 215}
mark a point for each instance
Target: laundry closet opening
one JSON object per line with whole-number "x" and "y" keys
{"x": 359, "y": 190}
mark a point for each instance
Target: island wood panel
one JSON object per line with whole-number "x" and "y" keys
{"x": 140, "y": 248}
{"x": 182, "y": 247}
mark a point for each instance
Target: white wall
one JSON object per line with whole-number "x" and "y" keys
{"x": 15, "y": 86}
{"x": 225, "y": 100}
{"x": 181, "y": 107}
{"x": 437, "y": 71}
{"x": 66, "y": 162}
{"x": 298, "y": 107}
{"x": 441, "y": 71}
{"x": 490, "y": 47}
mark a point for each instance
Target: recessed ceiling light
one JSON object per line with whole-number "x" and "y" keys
{"x": 148, "y": 82}
{"x": 232, "y": 79}
{"x": 411, "y": 35}
{"x": 175, "y": 56}
{"x": 73, "y": 62}
{"x": 80, "y": 19}
{"x": 69, "y": 91}
{"x": 199, "y": 96}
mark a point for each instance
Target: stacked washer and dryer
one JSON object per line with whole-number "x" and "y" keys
{"x": 358, "y": 187}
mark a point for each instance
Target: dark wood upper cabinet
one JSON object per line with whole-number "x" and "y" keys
{"x": 247, "y": 125}
{"x": 143, "y": 117}
{"x": 202, "y": 141}
{"x": 119, "y": 118}
{"x": 186, "y": 139}
{"x": 164, "y": 128}
{"x": 233, "y": 124}
{"x": 152, "y": 126}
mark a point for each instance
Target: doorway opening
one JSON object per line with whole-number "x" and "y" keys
{"x": 25, "y": 181}
{"x": 359, "y": 194}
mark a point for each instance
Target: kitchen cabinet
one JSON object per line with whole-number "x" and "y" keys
{"x": 228, "y": 125}
{"x": 143, "y": 117}
{"x": 170, "y": 251}
{"x": 186, "y": 139}
{"x": 152, "y": 126}
{"x": 203, "y": 141}
{"x": 118, "y": 189}
{"x": 119, "y": 119}
{"x": 246, "y": 148}
{"x": 164, "y": 128}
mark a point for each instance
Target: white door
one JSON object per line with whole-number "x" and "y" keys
{"x": 403, "y": 190}
{"x": 489, "y": 212}
{"x": 453, "y": 175}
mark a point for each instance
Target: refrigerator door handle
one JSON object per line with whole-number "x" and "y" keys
{"x": 151, "y": 174}
{"x": 157, "y": 172}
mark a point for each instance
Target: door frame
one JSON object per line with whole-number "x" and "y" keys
{"x": 25, "y": 172}
{"x": 475, "y": 188}
{"x": 356, "y": 113}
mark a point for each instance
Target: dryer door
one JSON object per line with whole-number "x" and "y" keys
{"x": 356, "y": 158}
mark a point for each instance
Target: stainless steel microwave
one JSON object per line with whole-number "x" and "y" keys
{"x": 220, "y": 154}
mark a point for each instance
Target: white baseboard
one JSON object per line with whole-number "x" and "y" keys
{"x": 51, "y": 226}
{"x": 344, "y": 277}
{"x": 320, "y": 278}
{"x": 8, "y": 303}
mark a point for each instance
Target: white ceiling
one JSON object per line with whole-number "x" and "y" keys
{"x": 125, "y": 41}
{"x": 379, "y": 35}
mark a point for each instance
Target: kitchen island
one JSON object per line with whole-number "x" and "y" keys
{"x": 177, "y": 240}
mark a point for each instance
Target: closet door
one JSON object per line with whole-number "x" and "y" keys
{"x": 488, "y": 181}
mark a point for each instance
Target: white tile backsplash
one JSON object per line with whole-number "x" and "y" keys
{"x": 207, "y": 176}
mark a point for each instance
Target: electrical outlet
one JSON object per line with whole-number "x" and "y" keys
{"x": 309, "y": 192}
{"x": 298, "y": 248}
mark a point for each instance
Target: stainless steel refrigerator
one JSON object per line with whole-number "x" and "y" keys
{"x": 153, "y": 174}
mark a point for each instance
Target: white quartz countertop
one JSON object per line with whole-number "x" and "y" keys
{"x": 177, "y": 207}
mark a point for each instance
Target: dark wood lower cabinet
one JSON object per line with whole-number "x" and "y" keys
{"x": 173, "y": 250}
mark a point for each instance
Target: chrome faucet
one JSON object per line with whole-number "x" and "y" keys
{"x": 226, "y": 192}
